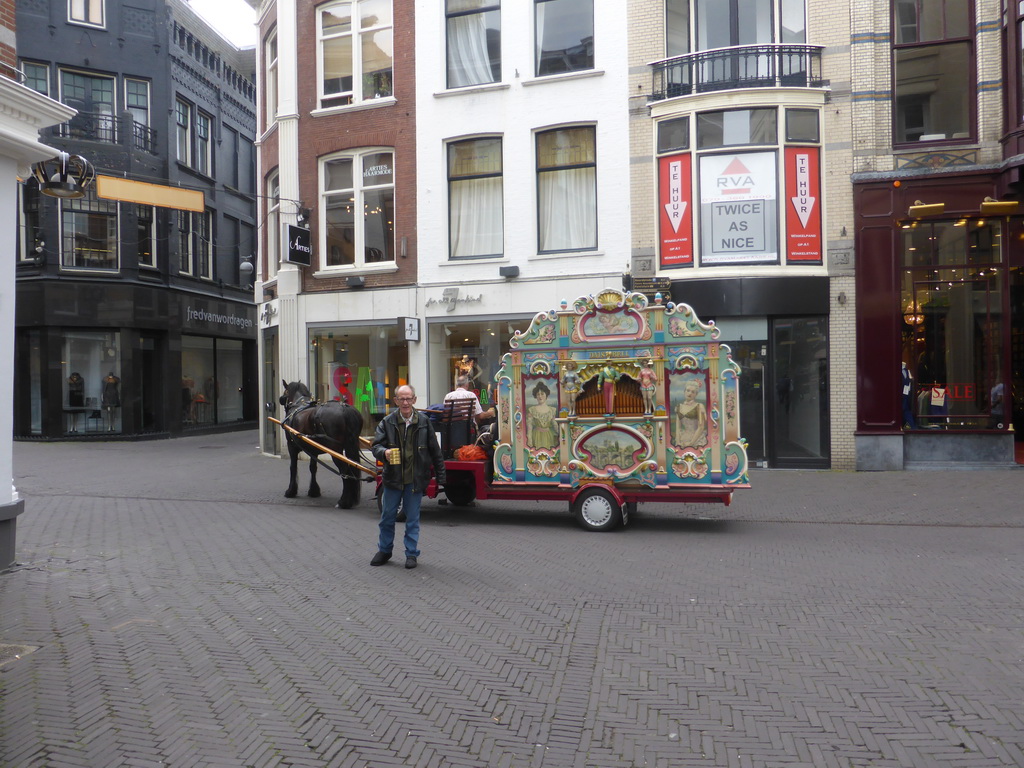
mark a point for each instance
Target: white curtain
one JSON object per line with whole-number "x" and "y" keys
{"x": 541, "y": 9}
{"x": 468, "y": 59}
{"x": 477, "y": 226}
{"x": 568, "y": 210}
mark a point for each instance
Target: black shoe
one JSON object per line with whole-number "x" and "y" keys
{"x": 410, "y": 562}
{"x": 380, "y": 558}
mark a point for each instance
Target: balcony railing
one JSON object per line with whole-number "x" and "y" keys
{"x": 751, "y": 66}
{"x": 99, "y": 126}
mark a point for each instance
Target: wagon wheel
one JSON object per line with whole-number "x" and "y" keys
{"x": 380, "y": 505}
{"x": 596, "y": 510}
{"x": 460, "y": 489}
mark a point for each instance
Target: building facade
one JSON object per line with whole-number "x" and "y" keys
{"x": 937, "y": 120}
{"x": 135, "y": 317}
{"x": 740, "y": 151}
{"x": 451, "y": 194}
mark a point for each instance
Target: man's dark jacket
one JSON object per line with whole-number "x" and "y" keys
{"x": 421, "y": 443}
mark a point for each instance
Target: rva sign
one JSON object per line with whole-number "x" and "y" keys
{"x": 298, "y": 245}
{"x": 738, "y": 208}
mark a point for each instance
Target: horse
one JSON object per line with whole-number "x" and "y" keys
{"x": 332, "y": 424}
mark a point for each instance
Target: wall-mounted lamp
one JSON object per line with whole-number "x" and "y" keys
{"x": 65, "y": 175}
{"x": 991, "y": 207}
{"x": 509, "y": 272}
{"x": 919, "y": 209}
{"x": 447, "y": 331}
{"x": 842, "y": 232}
{"x": 303, "y": 217}
{"x": 841, "y": 298}
{"x": 356, "y": 281}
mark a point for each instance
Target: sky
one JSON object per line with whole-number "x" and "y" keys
{"x": 234, "y": 19}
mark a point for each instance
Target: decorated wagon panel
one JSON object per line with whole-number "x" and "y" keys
{"x": 616, "y": 390}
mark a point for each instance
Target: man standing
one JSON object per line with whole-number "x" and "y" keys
{"x": 405, "y": 443}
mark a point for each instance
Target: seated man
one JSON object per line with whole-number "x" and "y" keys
{"x": 463, "y": 392}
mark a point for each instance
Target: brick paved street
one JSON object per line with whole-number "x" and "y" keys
{"x": 174, "y": 609}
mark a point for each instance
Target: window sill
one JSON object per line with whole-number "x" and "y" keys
{"x": 588, "y": 253}
{"x": 564, "y": 76}
{"x": 385, "y": 101}
{"x": 354, "y": 271}
{"x": 482, "y": 88}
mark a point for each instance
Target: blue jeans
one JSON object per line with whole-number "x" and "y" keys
{"x": 410, "y": 501}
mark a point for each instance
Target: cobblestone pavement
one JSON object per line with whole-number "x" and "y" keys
{"x": 171, "y": 608}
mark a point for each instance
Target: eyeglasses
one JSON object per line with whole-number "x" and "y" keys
{"x": 405, "y": 399}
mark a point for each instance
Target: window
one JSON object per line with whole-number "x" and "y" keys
{"x": 933, "y": 80}
{"x": 358, "y": 209}
{"x": 32, "y": 233}
{"x": 952, "y": 310}
{"x": 802, "y": 125}
{"x": 273, "y": 225}
{"x": 146, "y": 240}
{"x": 228, "y": 157}
{"x": 37, "y": 77}
{"x": 565, "y": 36}
{"x": 136, "y": 100}
{"x": 736, "y": 127}
{"x": 195, "y": 244}
{"x": 566, "y": 190}
{"x": 674, "y": 134}
{"x": 474, "y": 42}
{"x": 88, "y": 233}
{"x": 270, "y": 94}
{"x": 475, "y": 221}
{"x": 202, "y": 155}
{"x": 355, "y": 52}
{"x": 183, "y": 131}
{"x": 86, "y": 12}
{"x": 93, "y": 97}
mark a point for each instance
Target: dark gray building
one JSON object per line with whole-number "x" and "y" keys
{"x": 138, "y": 319}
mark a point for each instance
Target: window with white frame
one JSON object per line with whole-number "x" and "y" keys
{"x": 273, "y": 225}
{"x": 183, "y": 130}
{"x": 567, "y": 190}
{"x": 357, "y": 199}
{"x": 202, "y": 153}
{"x": 195, "y": 243}
{"x": 474, "y": 42}
{"x": 270, "y": 81}
{"x": 475, "y": 218}
{"x": 564, "y": 32}
{"x": 86, "y": 12}
{"x": 136, "y": 100}
{"x": 356, "y": 52}
{"x": 88, "y": 233}
{"x": 146, "y": 239}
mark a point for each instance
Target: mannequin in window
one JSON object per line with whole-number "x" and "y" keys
{"x": 111, "y": 398}
{"x": 907, "y": 397}
{"x": 76, "y": 396}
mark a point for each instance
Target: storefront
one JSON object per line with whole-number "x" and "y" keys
{"x": 138, "y": 362}
{"x": 778, "y": 330}
{"x": 940, "y": 354}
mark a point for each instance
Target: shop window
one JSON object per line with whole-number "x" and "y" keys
{"x": 362, "y": 366}
{"x": 736, "y": 127}
{"x": 933, "y": 71}
{"x": 952, "y": 324}
{"x": 86, "y": 12}
{"x": 88, "y": 233}
{"x": 474, "y": 42}
{"x": 475, "y": 218}
{"x": 474, "y": 348}
{"x": 355, "y": 52}
{"x": 198, "y": 381}
{"x": 567, "y": 190}
{"x": 92, "y": 390}
{"x": 358, "y": 209}
{"x": 564, "y": 36}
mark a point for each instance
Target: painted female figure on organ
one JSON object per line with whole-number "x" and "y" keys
{"x": 691, "y": 421}
{"x": 540, "y": 419}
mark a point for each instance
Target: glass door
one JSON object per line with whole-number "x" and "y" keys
{"x": 798, "y": 415}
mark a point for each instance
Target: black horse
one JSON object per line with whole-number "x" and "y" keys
{"x": 334, "y": 425}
